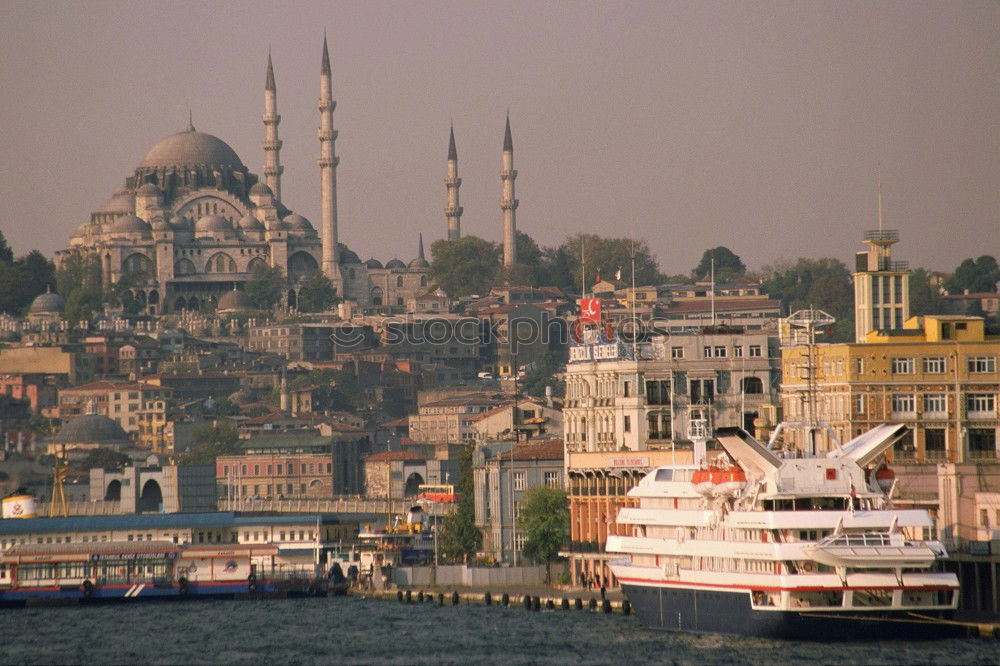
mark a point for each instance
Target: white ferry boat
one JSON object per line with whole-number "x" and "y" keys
{"x": 794, "y": 547}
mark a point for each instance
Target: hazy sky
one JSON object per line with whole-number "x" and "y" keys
{"x": 691, "y": 124}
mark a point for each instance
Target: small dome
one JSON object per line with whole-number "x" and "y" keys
{"x": 83, "y": 229}
{"x": 213, "y": 223}
{"x": 159, "y": 224}
{"x": 250, "y": 223}
{"x": 192, "y": 148}
{"x": 47, "y": 303}
{"x": 147, "y": 190}
{"x": 374, "y": 263}
{"x": 419, "y": 263}
{"x": 260, "y": 188}
{"x": 234, "y": 301}
{"x": 296, "y": 222}
{"x": 396, "y": 263}
{"x": 130, "y": 224}
{"x": 180, "y": 223}
{"x": 90, "y": 429}
{"x": 349, "y": 257}
{"x": 121, "y": 201}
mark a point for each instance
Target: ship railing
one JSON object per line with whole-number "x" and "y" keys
{"x": 870, "y": 539}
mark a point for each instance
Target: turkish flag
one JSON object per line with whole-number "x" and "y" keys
{"x": 590, "y": 310}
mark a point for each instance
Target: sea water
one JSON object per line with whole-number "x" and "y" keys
{"x": 362, "y": 631}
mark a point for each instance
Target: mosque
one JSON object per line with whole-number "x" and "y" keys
{"x": 192, "y": 223}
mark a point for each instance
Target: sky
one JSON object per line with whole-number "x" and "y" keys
{"x": 759, "y": 126}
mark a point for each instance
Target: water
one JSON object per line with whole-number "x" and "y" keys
{"x": 339, "y": 630}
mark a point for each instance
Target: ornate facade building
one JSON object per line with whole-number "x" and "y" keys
{"x": 192, "y": 223}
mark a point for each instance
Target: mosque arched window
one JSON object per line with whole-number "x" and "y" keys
{"x": 220, "y": 263}
{"x": 184, "y": 267}
{"x": 138, "y": 264}
{"x": 255, "y": 264}
{"x": 399, "y": 281}
{"x": 423, "y": 280}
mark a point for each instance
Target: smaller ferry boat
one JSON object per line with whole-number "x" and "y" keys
{"x": 792, "y": 546}
{"x": 407, "y": 542}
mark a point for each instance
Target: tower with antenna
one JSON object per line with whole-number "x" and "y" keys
{"x": 881, "y": 285}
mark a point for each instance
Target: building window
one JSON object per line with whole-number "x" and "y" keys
{"x": 755, "y": 351}
{"x": 628, "y": 424}
{"x": 552, "y": 479}
{"x": 980, "y": 403}
{"x": 903, "y": 403}
{"x": 738, "y": 351}
{"x": 279, "y": 468}
{"x": 702, "y": 390}
{"x": 256, "y": 470}
{"x": 902, "y": 366}
{"x": 518, "y": 542}
{"x": 934, "y": 444}
{"x": 752, "y": 385}
{"x": 982, "y": 442}
{"x": 934, "y": 365}
{"x": 859, "y": 365}
{"x": 935, "y": 403}
{"x": 519, "y": 481}
{"x": 707, "y": 351}
{"x": 627, "y": 389}
{"x": 658, "y": 392}
{"x": 659, "y": 425}
{"x": 677, "y": 352}
{"x": 980, "y": 364}
{"x": 859, "y": 404}
{"x": 720, "y": 351}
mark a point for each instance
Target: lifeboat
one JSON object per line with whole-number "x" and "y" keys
{"x": 884, "y": 477}
{"x": 719, "y": 480}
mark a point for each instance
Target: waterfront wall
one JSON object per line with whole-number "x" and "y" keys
{"x": 460, "y": 575}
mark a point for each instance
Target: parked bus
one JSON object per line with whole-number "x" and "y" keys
{"x": 442, "y": 493}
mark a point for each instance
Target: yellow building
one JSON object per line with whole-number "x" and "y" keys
{"x": 937, "y": 374}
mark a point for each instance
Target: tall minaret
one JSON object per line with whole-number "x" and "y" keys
{"x": 507, "y": 201}
{"x": 272, "y": 144}
{"x": 328, "y": 172}
{"x": 453, "y": 211}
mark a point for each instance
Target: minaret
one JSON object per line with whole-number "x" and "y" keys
{"x": 507, "y": 201}
{"x": 453, "y": 211}
{"x": 328, "y": 173}
{"x": 272, "y": 144}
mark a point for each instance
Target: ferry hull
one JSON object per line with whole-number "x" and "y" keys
{"x": 710, "y": 611}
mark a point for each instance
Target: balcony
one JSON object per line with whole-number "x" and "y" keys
{"x": 882, "y": 235}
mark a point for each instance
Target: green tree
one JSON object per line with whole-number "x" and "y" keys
{"x": 6, "y": 254}
{"x": 80, "y": 283}
{"x": 104, "y": 458}
{"x": 211, "y": 440}
{"x": 824, "y": 284}
{"x": 545, "y": 522}
{"x": 316, "y": 293}
{"x": 459, "y": 538}
{"x": 728, "y": 266}
{"x": 604, "y": 256}
{"x": 974, "y": 275}
{"x": 11, "y": 296}
{"x": 924, "y": 297}
{"x": 544, "y": 374}
{"x": 266, "y": 286}
{"x": 465, "y": 266}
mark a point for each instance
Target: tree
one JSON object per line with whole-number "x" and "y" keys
{"x": 728, "y": 266}
{"x": 104, "y": 458}
{"x": 316, "y": 293}
{"x": 545, "y": 522}
{"x": 459, "y": 538}
{"x": 6, "y": 254}
{"x": 465, "y": 266}
{"x": 39, "y": 273}
{"x": 604, "y": 256}
{"x": 824, "y": 284}
{"x": 924, "y": 297}
{"x": 211, "y": 441}
{"x": 80, "y": 283}
{"x": 974, "y": 276}
{"x": 544, "y": 374}
{"x": 266, "y": 286}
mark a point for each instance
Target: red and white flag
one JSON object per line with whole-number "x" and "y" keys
{"x": 590, "y": 310}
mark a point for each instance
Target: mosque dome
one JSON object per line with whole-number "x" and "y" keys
{"x": 213, "y": 223}
{"x": 296, "y": 222}
{"x": 234, "y": 301}
{"x": 47, "y": 303}
{"x": 260, "y": 188}
{"x": 250, "y": 223}
{"x": 121, "y": 201}
{"x": 419, "y": 263}
{"x": 192, "y": 148}
{"x": 130, "y": 224}
{"x": 83, "y": 229}
{"x": 91, "y": 429}
{"x": 349, "y": 257}
{"x": 374, "y": 263}
{"x": 396, "y": 263}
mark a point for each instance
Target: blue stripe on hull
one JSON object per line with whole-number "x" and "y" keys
{"x": 22, "y": 597}
{"x": 721, "y": 612}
